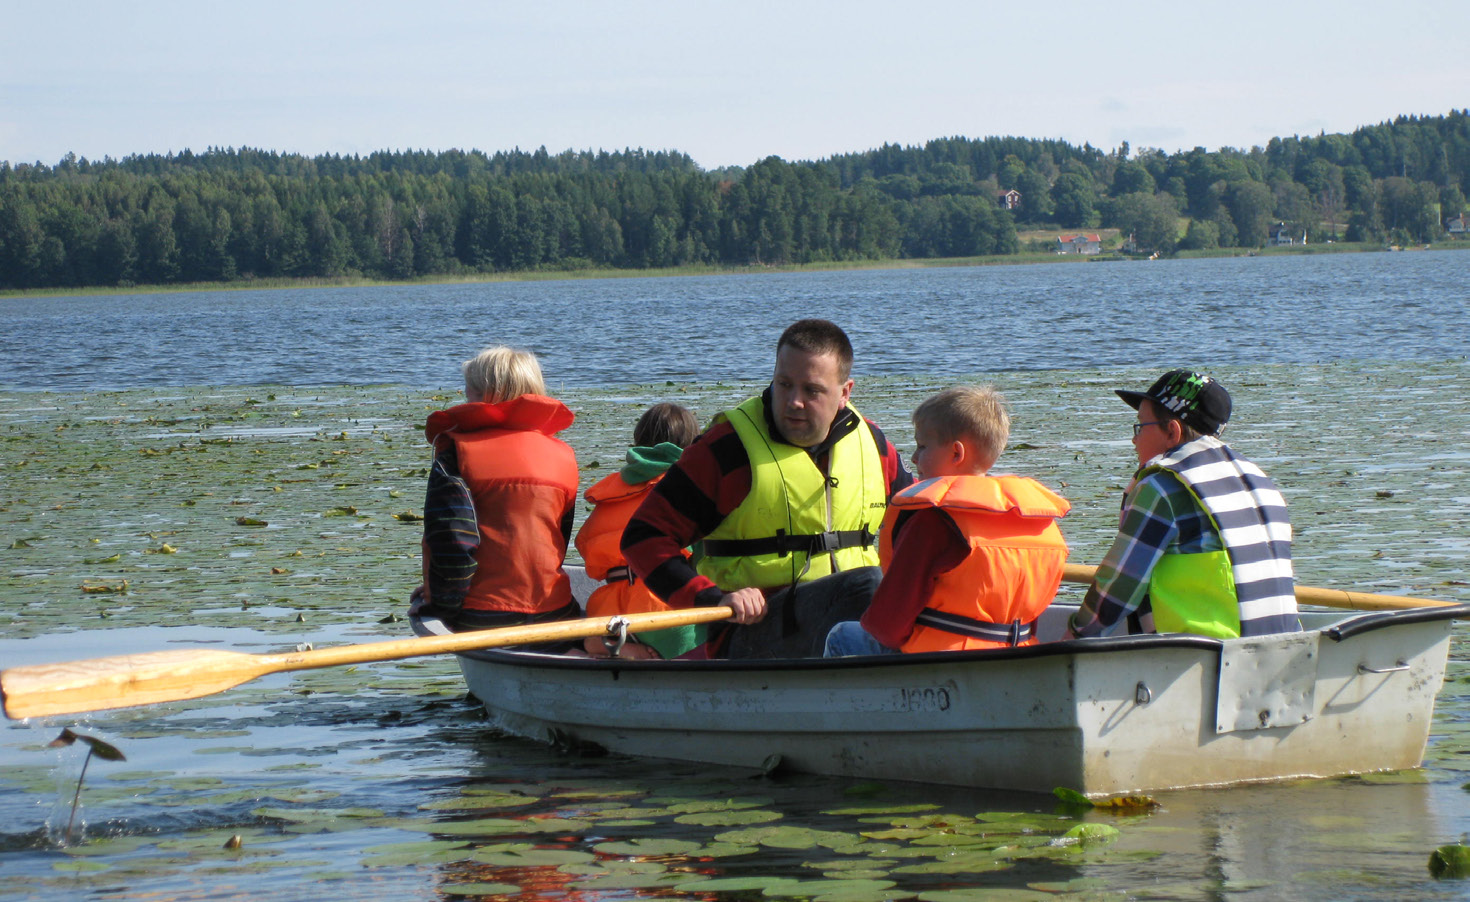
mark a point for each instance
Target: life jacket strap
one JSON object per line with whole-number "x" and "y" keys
{"x": 1013, "y": 633}
{"x": 619, "y": 575}
{"x": 782, "y": 543}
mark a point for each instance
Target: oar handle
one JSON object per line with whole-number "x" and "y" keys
{"x": 1329, "y": 598}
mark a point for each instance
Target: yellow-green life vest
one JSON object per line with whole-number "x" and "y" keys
{"x": 1194, "y": 593}
{"x": 793, "y": 506}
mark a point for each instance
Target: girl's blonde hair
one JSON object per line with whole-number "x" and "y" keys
{"x": 500, "y": 374}
{"x": 973, "y": 413}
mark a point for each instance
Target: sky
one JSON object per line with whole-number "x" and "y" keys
{"x": 727, "y": 83}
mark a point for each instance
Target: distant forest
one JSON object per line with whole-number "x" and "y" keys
{"x": 228, "y": 214}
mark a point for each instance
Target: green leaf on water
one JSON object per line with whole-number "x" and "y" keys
{"x": 249, "y": 521}
{"x": 1089, "y": 834}
{"x": 78, "y": 866}
{"x": 832, "y": 890}
{"x": 652, "y": 848}
{"x": 736, "y": 884}
{"x": 1072, "y": 796}
{"x": 1450, "y": 862}
{"x": 478, "y": 889}
{"x": 526, "y": 856}
{"x": 478, "y": 802}
{"x": 728, "y": 818}
{"x": 789, "y": 837}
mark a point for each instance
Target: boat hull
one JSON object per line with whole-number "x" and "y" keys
{"x": 1135, "y": 714}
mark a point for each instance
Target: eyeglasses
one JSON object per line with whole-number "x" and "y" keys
{"x": 1138, "y": 427}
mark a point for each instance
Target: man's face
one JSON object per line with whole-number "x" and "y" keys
{"x": 807, "y": 392}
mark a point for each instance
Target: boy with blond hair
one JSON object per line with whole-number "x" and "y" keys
{"x": 969, "y": 560}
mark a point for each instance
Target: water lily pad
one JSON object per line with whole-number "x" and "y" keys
{"x": 109, "y": 845}
{"x": 1450, "y": 862}
{"x": 728, "y": 818}
{"x": 478, "y": 889}
{"x": 80, "y": 866}
{"x": 844, "y": 889}
{"x": 986, "y": 894}
{"x": 530, "y": 857}
{"x": 478, "y": 802}
{"x": 789, "y": 837}
{"x": 612, "y": 880}
{"x": 735, "y": 884}
{"x": 1088, "y": 834}
{"x": 725, "y": 850}
{"x": 958, "y": 863}
{"x": 652, "y": 847}
{"x": 882, "y": 810}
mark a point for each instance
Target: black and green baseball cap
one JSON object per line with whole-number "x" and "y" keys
{"x": 1198, "y": 400}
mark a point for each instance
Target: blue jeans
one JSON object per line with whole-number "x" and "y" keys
{"x": 849, "y": 638}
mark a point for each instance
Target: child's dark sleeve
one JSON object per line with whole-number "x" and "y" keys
{"x": 451, "y": 534}
{"x": 926, "y": 544}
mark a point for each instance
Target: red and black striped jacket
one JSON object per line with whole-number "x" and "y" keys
{"x": 709, "y": 481}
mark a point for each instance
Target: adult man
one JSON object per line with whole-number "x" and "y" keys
{"x": 787, "y": 492}
{"x": 1204, "y": 542}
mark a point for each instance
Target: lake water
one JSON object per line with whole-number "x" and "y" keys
{"x": 136, "y": 432}
{"x": 608, "y": 332}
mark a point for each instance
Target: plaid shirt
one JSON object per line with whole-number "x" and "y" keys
{"x": 1159, "y": 517}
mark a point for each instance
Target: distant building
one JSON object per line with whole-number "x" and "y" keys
{"x": 1280, "y": 236}
{"x": 1457, "y": 226}
{"x": 1008, "y": 200}
{"x": 1079, "y": 244}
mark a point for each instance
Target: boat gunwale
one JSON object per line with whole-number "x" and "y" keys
{"x": 1351, "y": 627}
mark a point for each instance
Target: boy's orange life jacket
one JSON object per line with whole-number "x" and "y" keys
{"x": 614, "y": 502}
{"x": 1015, "y": 561}
{"x": 523, "y": 482}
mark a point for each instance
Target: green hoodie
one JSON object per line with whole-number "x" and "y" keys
{"x": 645, "y": 463}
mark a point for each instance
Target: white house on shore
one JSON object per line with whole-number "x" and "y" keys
{"x": 1079, "y": 244}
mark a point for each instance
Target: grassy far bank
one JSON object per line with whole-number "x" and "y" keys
{"x": 1111, "y": 242}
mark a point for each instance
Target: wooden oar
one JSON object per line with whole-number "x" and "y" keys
{"x": 72, "y": 687}
{"x": 1327, "y": 598}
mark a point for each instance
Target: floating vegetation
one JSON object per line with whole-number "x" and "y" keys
{"x": 105, "y": 751}
{"x": 1450, "y": 862}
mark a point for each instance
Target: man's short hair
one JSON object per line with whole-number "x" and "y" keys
{"x": 818, "y": 336}
{"x": 973, "y": 413}
{"x": 501, "y": 373}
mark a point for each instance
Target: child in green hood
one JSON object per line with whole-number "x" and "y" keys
{"x": 658, "y": 440}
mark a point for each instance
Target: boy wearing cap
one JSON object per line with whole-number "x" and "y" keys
{"x": 1204, "y": 541}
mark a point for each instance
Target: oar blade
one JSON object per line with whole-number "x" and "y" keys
{"x": 73, "y": 687}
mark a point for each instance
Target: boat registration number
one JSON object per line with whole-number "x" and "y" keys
{"x": 929, "y": 698}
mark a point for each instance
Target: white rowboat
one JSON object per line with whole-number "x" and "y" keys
{"x": 1351, "y": 693}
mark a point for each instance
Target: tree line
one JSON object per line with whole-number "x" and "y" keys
{"x": 228, "y": 214}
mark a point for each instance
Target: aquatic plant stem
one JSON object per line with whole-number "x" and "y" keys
{"x": 77, "y": 798}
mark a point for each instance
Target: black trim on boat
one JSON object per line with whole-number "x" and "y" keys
{"x": 1367, "y": 623}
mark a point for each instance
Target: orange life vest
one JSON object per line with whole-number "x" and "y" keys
{"x": 614, "y": 502}
{"x": 1014, "y": 565}
{"x": 523, "y": 482}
